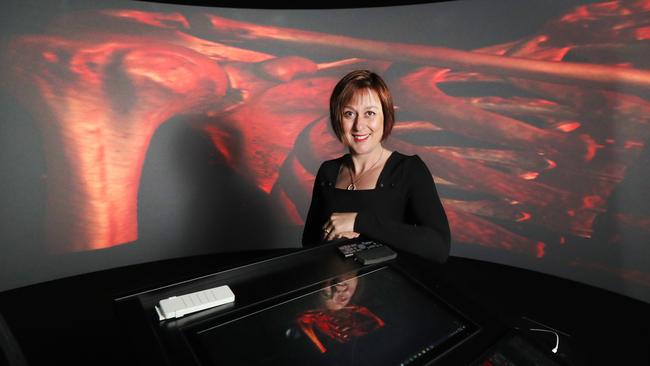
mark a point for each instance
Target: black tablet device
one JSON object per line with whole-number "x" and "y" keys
{"x": 375, "y": 255}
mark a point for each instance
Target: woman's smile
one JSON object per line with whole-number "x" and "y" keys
{"x": 360, "y": 138}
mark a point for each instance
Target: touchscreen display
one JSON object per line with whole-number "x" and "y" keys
{"x": 375, "y": 318}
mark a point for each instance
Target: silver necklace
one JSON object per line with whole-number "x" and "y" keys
{"x": 353, "y": 182}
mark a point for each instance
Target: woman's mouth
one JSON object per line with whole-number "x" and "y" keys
{"x": 342, "y": 300}
{"x": 360, "y": 138}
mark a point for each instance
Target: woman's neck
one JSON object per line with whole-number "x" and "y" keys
{"x": 364, "y": 162}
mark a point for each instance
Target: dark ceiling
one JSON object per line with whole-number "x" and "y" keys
{"x": 285, "y": 4}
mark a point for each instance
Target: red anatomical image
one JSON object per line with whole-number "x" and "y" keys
{"x": 528, "y": 140}
{"x": 338, "y": 318}
{"x": 341, "y": 325}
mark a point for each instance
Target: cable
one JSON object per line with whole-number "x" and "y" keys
{"x": 557, "y": 337}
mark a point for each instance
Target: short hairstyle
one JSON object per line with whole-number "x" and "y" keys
{"x": 345, "y": 90}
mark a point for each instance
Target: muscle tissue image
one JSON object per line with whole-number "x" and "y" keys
{"x": 536, "y": 141}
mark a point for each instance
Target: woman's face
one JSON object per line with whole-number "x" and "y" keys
{"x": 338, "y": 296}
{"x": 363, "y": 122}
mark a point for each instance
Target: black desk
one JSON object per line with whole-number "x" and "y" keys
{"x": 262, "y": 285}
{"x": 105, "y": 318}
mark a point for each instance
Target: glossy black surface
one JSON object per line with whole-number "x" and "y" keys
{"x": 77, "y": 320}
{"x": 270, "y": 292}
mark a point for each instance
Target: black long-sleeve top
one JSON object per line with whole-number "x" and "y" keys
{"x": 403, "y": 211}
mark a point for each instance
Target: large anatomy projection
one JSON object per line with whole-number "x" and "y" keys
{"x": 527, "y": 140}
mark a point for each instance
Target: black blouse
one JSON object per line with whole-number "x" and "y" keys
{"x": 403, "y": 211}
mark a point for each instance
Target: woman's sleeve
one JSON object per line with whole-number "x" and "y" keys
{"x": 427, "y": 233}
{"x": 312, "y": 233}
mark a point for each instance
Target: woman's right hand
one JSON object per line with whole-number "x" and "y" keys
{"x": 340, "y": 225}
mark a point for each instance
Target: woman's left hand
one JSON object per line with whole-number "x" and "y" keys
{"x": 340, "y": 225}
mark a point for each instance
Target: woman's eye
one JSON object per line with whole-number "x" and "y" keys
{"x": 348, "y": 114}
{"x": 370, "y": 114}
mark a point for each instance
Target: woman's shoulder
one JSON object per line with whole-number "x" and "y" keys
{"x": 406, "y": 168}
{"x": 329, "y": 169}
{"x": 333, "y": 163}
{"x": 406, "y": 161}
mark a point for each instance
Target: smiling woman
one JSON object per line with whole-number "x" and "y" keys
{"x": 373, "y": 192}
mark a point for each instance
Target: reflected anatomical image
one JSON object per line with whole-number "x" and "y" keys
{"x": 338, "y": 319}
{"x": 534, "y": 142}
{"x": 378, "y": 317}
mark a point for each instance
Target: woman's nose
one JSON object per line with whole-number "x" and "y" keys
{"x": 358, "y": 123}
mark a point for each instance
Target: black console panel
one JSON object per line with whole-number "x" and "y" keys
{"x": 322, "y": 308}
{"x": 317, "y": 307}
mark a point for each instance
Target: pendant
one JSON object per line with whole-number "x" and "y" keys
{"x": 352, "y": 187}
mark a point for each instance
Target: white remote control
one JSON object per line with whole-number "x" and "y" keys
{"x": 178, "y": 306}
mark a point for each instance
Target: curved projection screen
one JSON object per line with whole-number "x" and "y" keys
{"x": 136, "y": 131}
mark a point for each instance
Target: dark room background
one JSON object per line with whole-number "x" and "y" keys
{"x": 135, "y": 131}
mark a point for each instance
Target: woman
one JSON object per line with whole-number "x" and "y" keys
{"x": 374, "y": 192}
